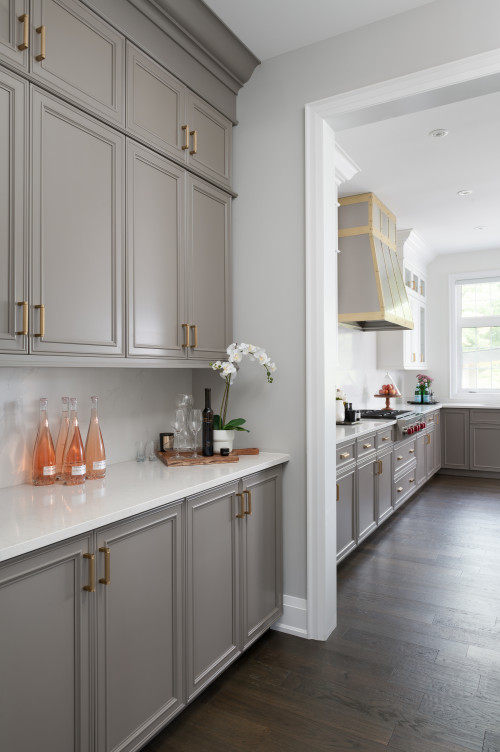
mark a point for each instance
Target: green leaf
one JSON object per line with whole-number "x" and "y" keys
{"x": 217, "y": 423}
{"x": 234, "y": 423}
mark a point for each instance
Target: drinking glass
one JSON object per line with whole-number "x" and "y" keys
{"x": 195, "y": 423}
{"x": 184, "y": 402}
{"x": 178, "y": 422}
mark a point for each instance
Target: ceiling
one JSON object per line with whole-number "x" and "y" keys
{"x": 415, "y": 175}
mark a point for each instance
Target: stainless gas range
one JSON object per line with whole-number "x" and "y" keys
{"x": 407, "y": 422}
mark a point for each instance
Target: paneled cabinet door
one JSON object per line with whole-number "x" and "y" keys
{"x": 455, "y": 438}
{"x": 213, "y": 599}
{"x": 14, "y": 31}
{"x": 140, "y": 628}
{"x": 13, "y": 215}
{"x": 261, "y": 553}
{"x": 208, "y": 270}
{"x": 421, "y": 457}
{"x": 77, "y": 54}
{"x": 346, "y": 514}
{"x": 430, "y": 440}
{"x": 384, "y": 485}
{"x": 210, "y": 140}
{"x": 366, "y": 499}
{"x": 78, "y": 267}
{"x": 155, "y": 254}
{"x": 484, "y": 447}
{"x": 45, "y": 651}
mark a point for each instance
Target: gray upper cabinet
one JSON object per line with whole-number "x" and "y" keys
{"x": 13, "y": 213}
{"x": 208, "y": 272}
{"x": 210, "y": 140}
{"x": 45, "y": 650}
{"x": 77, "y": 173}
{"x": 15, "y": 31}
{"x": 139, "y": 628}
{"x": 455, "y": 438}
{"x": 77, "y": 54}
{"x": 156, "y": 104}
{"x": 155, "y": 254}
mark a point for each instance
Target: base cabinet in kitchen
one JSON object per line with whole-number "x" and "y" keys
{"x": 384, "y": 471}
{"x": 366, "y": 498}
{"x": 346, "y": 512}
{"x": 46, "y": 639}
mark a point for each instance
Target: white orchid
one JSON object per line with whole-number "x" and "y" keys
{"x": 228, "y": 370}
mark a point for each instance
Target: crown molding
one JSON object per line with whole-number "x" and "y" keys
{"x": 412, "y": 247}
{"x": 345, "y": 167}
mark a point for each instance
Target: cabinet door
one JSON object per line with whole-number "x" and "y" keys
{"x": 210, "y": 144}
{"x": 455, "y": 438}
{"x": 384, "y": 486}
{"x": 346, "y": 515}
{"x": 437, "y": 442}
{"x": 12, "y": 32}
{"x": 209, "y": 274}
{"x": 366, "y": 499}
{"x": 262, "y": 565}
{"x": 430, "y": 450}
{"x": 155, "y": 254}
{"x": 13, "y": 214}
{"x": 484, "y": 447}
{"x": 155, "y": 104}
{"x": 84, "y": 57}
{"x": 77, "y": 231}
{"x": 45, "y": 651}
{"x": 421, "y": 457}
{"x": 212, "y": 585}
{"x": 140, "y": 628}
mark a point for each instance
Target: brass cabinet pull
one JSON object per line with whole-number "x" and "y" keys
{"x": 249, "y": 493}
{"x": 41, "y": 30}
{"x": 24, "y": 304}
{"x": 186, "y": 335}
{"x": 399, "y": 457}
{"x": 42, "y": 320}
{"x": 411, "y": 480}
{"x": 400, "y": 489}
{"x": 194, "y": 134}
{"x": 366, "y": 446}
{"x": 411, "y": 451}
{"x": 185, "y": 145}
{"x": 344, "y": 456}
{"x": 413, "y": 357}
{"x": 338, "y": 492}
{"x": 386, "y": 438}
{"x": 428, "y": 438}
{"x": 381, "y": 467}
{"x": 25, "y": 20}
{"x": 241, "y": 515}
{"x": 90, "y": 588}
{"x": 437, "y": 419}
{"x": 106, "y": 579}
{"x": 194, "y": 327}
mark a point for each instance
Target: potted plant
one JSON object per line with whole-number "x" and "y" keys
{"x": 225, "y": 429}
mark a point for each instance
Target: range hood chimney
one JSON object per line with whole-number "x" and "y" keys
{"x": 372, "y": 295}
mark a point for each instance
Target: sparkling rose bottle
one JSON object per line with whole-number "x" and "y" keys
{"x": 44, "y": 456}
{"x": 95, "y": 454}
{"x": 73, "y": 466}
{"x": 63, "y": 435}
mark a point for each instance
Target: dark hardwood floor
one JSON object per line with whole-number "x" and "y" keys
{"x": 414, "y": 664}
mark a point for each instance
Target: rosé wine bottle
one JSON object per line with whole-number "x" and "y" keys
{"x": 73, "y": 466}
{"x": 95, "y": 454}
{"x": 63, "y": 435}
{"x": 44, "y": 456}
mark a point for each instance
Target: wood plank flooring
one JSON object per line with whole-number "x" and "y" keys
{"x": 414, "y": 664}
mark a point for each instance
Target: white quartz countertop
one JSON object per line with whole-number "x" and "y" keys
{"x": 35, "y": 516}
{"x": 364, "y": 426}
{"x": 475, "y": 405}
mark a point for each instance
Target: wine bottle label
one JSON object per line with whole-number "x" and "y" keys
{"x": 100, "y": 465}
{"x": 49, "y": 470}
{"x": 78, "y": 470}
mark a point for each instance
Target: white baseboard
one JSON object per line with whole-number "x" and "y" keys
{"x": 294, "y": 619}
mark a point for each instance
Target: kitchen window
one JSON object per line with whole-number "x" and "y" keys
{"x": 475, "y": 333}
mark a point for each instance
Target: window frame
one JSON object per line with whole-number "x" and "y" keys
{"x": 455, "y": 332}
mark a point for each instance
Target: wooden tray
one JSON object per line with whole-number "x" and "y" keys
{"x": 186, "y": 458}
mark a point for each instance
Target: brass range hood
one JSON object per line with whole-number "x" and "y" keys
{"x": 371, "y": 292}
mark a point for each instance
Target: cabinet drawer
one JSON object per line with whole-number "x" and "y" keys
{"x": 384, "y": 438}
{"x": 403, "y": 453}
{"x": 485, "y": 416}
{"x": 345, "y": 454}
{"x": 405, "y": 485}
{"x": 365, "y": 445}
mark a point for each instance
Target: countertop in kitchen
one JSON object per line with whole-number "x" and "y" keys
{"x": 364, "y": 426}
{"x": 35, "y": 516}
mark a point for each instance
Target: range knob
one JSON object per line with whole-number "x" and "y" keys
{"x": 411, "y": 430}
{"x": 422, "y": 425}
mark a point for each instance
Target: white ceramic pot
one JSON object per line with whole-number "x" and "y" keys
{"x": 223, "y": 439}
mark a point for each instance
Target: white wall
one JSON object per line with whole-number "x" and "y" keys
{"x": 133, "y": 404}
{"x": 268, "y": 217}
{"x": 438, "y": 311}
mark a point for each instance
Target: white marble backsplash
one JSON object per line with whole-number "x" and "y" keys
{"x": 134, "y": 404}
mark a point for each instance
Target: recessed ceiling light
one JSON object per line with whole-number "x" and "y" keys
{"x": 464, "y": 193}
{"x": 438, "y": 133}
{"x": 480, "y": 227}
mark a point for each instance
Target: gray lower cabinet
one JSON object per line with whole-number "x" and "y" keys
{"x": 78, "y": 250}
{"x": 46, "y": 638}
{"x": 234, "y": 572}
{"x": 455, "y": 438}
{"x": 431, "y": 449}
{"x": 421, "y": 457}
{"x": 14, "y": 31}
{"x": 13, "y": 214}
{"x": 405, "y": 484}
{"x": 385, "y": 474}
{"x": 366, "y": 496}
{"x": 346, "y": 511}
{"x": 485, "y": 440}
{"x": 140, "y": 625}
